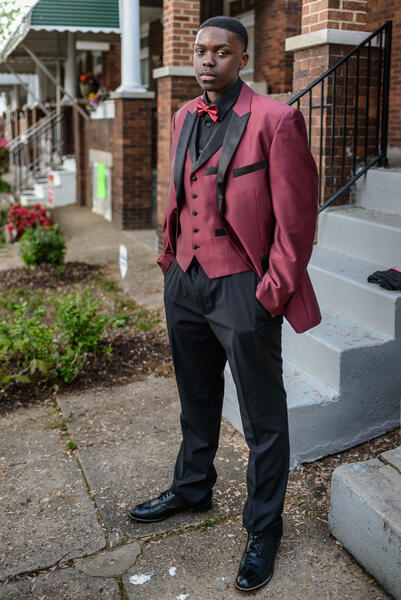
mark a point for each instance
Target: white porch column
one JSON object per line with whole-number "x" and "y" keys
{"x": 130, "y": 48}
{"x": 41, "y": 85}
{"x": 70, "y": 68}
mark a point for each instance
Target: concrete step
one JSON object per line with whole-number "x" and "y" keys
{"x": 340, "y": 282}
{"x": 69, "y": 163}
{"x": 329, "y": 352}
{"x": 321, "y": 421}
{"x": 380, "y": 190}
{"x": 366, "y": 234}
{"x": 365, "y": 516}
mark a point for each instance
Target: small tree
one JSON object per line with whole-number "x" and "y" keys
{"x": 10, "y": 11}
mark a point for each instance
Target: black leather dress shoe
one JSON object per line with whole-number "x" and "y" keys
{"x": 166, "y": 505}
{"x": 257, "y": 563}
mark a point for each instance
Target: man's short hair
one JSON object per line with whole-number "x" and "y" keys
{"x": 230, "y": 24}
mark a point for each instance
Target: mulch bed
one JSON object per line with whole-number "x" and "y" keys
{"x": 46, "y": 276}
{"x": 136, "y": 353}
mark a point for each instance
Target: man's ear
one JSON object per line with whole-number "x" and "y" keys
{"x": 244, "y": 60}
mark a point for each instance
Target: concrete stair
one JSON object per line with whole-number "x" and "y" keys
{"x": 64, "y": 186}
{"x": 365, "y": 515}
{"x": 343, "y": 377}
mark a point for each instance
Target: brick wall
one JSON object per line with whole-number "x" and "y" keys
{"x": 181, "y": 20}
{"x": 333, "y": 14}
{"x": 274, "y": 22}
{"x": 129, "y": 138}
{"x": 132, "y": 163}
{"x": 380, "y": 11}
{"x": 112, "y": 67}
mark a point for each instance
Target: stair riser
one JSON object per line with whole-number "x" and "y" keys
{"x": 329, "y": 426}
{"x": 360, "y": 238}
{"x": 310, "y": 355}
{"x": 380, "y": 190}
{"x": 366, "y": 304}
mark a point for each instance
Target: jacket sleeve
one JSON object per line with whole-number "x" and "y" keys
{"x": 293, "y": 183}
{"x": 167, "y": 256}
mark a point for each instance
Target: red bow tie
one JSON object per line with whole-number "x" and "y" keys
{"x": 210, "y": 109}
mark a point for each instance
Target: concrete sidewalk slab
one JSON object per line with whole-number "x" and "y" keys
{"x": 144, "y": 279}
{"x": 140, "y": 408}
{"x": 124, "y": 473}
{"x": 202, "y": 565}
{"x": 65, "y": 584}
{"x": 110, "y": 563}
{"x": 365, "y": 516}
{"x": 28, "y": 434}
{"x": 45, "y": 515}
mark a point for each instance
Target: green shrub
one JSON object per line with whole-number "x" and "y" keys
{"x": 28, "y": 345}
{"x": 5, "y": 187}
{"x": 39, "y": 245}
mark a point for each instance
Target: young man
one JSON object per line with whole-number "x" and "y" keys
{"x": 238, "y": 234}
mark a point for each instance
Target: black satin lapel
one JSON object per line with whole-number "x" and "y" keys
{"x": 181, "y": 152}
{"x": 234, "y": 133}
{"x": 213, "y": 144}
{"x": 192, "y": 143}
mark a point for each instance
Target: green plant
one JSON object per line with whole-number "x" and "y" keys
{"x": 5, "y": 187}
{"x": 39, "y": 245}
{"x": 26, "y": 346}
{"x": 31, "y": 345}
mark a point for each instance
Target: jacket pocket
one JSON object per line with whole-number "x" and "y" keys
{"x": 249, "y": 168}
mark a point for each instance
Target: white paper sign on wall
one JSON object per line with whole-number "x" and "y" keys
{"x": 123, "y": 260}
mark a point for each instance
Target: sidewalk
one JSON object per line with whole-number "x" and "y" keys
{"x": 63, "y": 521}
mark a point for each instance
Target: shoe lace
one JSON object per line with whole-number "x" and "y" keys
{"x": 165, "y": 494}
{"x": 255, "y": 543}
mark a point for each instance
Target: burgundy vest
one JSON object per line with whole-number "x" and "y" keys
{"x": 202, "y": 228}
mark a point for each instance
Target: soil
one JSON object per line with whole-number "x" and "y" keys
{"x": 135, "y": 354}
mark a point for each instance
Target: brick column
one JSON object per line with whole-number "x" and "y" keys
{"x": 81, "y": 158}
{"x": 330, "y": 29}
{"x": 132, "y": 162}
{"x": 176, "y": 83}
{"x": 274, "y": 21}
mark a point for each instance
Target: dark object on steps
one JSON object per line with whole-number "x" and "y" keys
{"x": 390, "y": 279}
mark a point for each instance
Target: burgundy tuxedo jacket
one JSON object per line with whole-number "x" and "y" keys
{"x": 266, "y": 194}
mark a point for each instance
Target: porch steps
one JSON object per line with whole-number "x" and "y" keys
{"x": 365, "y": 515}
{"x": 348, "y": 369}
{"x": 384, "y": 184}
{"x": 64, "y": 186}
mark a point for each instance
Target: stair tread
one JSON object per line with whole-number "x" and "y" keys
{"x": 303, "y": 389}
{"x": 342, "y": 333}
{"x": 349, "y": 267}
{"x": 374, "y": 217}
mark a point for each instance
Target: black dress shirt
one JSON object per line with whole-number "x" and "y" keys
{"x": 225, "y": 102}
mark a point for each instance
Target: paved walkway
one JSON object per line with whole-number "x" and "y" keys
{"x": 64, "y": 530}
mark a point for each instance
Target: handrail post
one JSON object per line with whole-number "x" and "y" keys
{"x": 386, "y": 94}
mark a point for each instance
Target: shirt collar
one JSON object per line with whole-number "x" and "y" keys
{"x": 228, "y": 98}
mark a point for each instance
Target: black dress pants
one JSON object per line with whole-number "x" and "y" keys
{"x": 209, "y": 322}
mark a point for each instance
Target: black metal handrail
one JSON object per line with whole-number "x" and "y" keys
{"x": 347, "y": 107}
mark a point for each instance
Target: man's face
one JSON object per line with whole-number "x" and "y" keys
{"x": 218, "y": 56}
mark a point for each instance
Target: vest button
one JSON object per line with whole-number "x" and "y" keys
{"x": 194, "y": 196}
{"x": 194, "y": 178}
{"x": 195, "y": 230}
{"x": 194, "y": 212}
{"x": 195, "y": 246}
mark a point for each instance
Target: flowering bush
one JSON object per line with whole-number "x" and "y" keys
{"x": 96, "y": 99}
{"x": 89, "y": 79}
{"x": 20, "y": 219}
{"x": 4, "y": 155}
